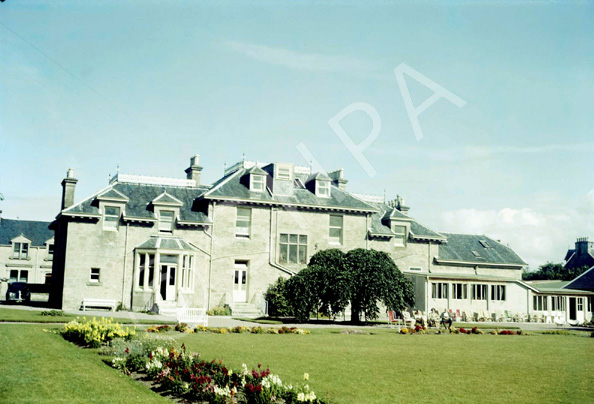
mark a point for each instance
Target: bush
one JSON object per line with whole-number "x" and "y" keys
{"x": 181, "y": 327}
{"x": 556, "y": 332}
{"x": 220, "y": 311}
{"x": 158, "y": 328}
{"x": 94, "y": 333}
{"x": 278, "y": 305}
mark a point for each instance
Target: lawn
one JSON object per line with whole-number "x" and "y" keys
{"x": 40, "y": 367}
{"x": 385, "y": 367}
{"x": 391, "y": 368}
{"x": 34, "y": 316}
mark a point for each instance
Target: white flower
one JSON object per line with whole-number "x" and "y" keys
{"x": 300, "y": 397}
{"x": 306, "y": 376}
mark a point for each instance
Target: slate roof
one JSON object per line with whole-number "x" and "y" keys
{"x": 168, "y": 243}
{"x": 141, "y": 196}
{"x": 36, "y": 231}
{"x": 459, "y": 247}
{"x": 580, "y": 260}
{"x": 378, "y": 225}
{"x": 583, "y": 282}
{"x": 232, "y": 188}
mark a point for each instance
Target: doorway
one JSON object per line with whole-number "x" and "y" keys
{"x": 240, "y": 282}
{"x": 168, "y": 282}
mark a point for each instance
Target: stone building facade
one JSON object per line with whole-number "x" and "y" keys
{"x": 151, "y": 242}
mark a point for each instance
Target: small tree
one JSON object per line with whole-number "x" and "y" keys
{"x": 330, "y": 280}
{"x": 275, "y": 295}
{"x": 373, "y": 276}
{"x": 301, "y": 295}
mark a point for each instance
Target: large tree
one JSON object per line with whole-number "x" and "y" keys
{"x": 552, "y": 271}
{"x": 374, "y": 277}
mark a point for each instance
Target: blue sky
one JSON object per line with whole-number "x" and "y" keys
{"x": 145, "y": 85}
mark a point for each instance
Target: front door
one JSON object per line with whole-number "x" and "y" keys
{"x": 240, "y": 282}
{"x": 572, "y": 309}
{"x": 168, "y": 282}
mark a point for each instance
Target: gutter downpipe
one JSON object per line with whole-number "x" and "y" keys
{"x": 214, "y": 204}
{"x": 125, "y": 266}
{"x": 367, "y": 231}
{"x": 270, "y": 254}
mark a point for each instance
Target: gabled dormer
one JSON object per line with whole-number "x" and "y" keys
{"x": 319, "y": 185}
{"x": 255, "y": 179}
{"x": 112, "y": 205}
{"x": 20, "y": 247}
{"x": 166, "y": 209}
{"x": 399, "y": 224}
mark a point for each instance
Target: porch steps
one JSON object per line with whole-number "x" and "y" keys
{"x": 246, "y": 310}
{"x": 167, "y": 309}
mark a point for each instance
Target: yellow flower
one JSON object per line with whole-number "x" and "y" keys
{"x": 306, "y": 376}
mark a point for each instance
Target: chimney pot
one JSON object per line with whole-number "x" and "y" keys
{"x": 193, "y": 172}
{"x": 68, "y": 186}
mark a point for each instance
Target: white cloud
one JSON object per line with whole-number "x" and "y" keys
{"x": 537, "y": 235}
{"x": 298, "y": 60}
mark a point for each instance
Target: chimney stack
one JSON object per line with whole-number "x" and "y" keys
{"x": 338, "y": 179}
{"x": 582, "y": 245}
{"x": 193, "y": 172}
{"x": 68, "y": 185}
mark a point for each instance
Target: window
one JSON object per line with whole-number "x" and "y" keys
{"x": 21, "y": 251}
{"x": 439, "y": 290}
{"x": 497, "y": 292}
{"x": 475, "y": 253}
{"x": 580, "y": 304}
{"x": 479, "y": 292}
{"x": 166, "y": 218}
{"x": 111, "y": 217}
{"x": 19, "y": 275}
{"x": 590, "y": 299}
{"x": 293, "y": 249}
{"x": 257, "y": 183}
{"x": 146, "y": 268}
{"x": 283, "y": 173}
{"x": 94, "y": 278}
{"x": 539, "y": 303}
{"x": 243, "y": 222}
{"x": 485, "y": 243}
{"x": 50, "y": 252}
{"x": 186, "y": 275}
{"x": 335, "y": 231}
{"x": 400, "y": 235}
{"x": 557, "y": 303}
{"x": 323, "y": 188}
{"x": 415, "y": 268}
{"x": 459, "y": 291}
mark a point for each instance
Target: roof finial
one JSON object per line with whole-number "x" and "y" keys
{"x": 384, "y": 195}
{"x": 224, "y": 167}
{"x": 118, "y": 169}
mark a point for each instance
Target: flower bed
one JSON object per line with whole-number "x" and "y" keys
{"x": 95, "y": 332}
{"x": 187, "y": 375}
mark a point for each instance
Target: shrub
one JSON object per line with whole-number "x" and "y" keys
{"x": 158, "y": 328}
{"x": 556, "y": 332}
{"x": 257, "y": 330}
{"x": 95, "y": 332}
{"x": 220, "y": 311}
{"x": 278, "y": 305}
{"x": 181, "y": 327}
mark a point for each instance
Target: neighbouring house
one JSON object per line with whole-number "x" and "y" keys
{"x": 162, "y": 243}
{"x": 26, "y": 252}
{"x": 582, "y": 256}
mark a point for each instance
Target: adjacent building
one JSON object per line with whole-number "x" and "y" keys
{"x": 161, "y": 243}
{"x": 26, "y": 252}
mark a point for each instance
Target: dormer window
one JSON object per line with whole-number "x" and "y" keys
{"x": 323, "y": 189}
{"x": 283, "y": 173}
{"x": 399, "y": 235}
{"x": 166, "y": 219}
{"x": 21, "y": 251}
{"x": 111, "y": 217}
{"x": 257, "y": 183}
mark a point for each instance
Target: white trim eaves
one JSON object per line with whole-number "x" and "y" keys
{"x": 120, "y": 198}
{"x": 235, "y": 174}
{"x": 76, "y": 214}
{"x": 288, "y": 204}
{"x": 475, "y": 263}
{"x": 85, "y": 200}
{"x": 138, "y": 219}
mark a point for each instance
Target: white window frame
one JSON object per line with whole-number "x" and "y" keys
{"x": 557, "y": 303}
{"x": 284, "y": 173}
{"x": 336, "y": 240}
{"x": 498, "y": 293}
{"x": 480, "y": 291}
{"x": 323, "y": 189}
{"x": 399, "y": 237}
{"x": 19, "y": 277}
{"x": 439, "y": 290}
{"x": 300, "y": 245}
{"x": 187, "y": 272}
{"x": 95, "y": 275}
{"x": 539, "y": 303}
{"x": 166, "y": 226}
{"x": 579, "y": 302}
{"x": 116, "y": 223}
{"x": 239, "y": 231}
{"x": 459, "y": 291}
{"x": 20, "y": 250}
{"x": 257, "y": 183}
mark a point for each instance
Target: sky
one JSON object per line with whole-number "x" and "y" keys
{"x": 504, "y": 145}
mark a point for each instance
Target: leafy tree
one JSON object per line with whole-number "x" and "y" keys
{"x": 373, "y": 276}
{"x": 552, "y": 271}
{"x": 327, "y": 273}
{"x": 302, "y": 295}
{"x": 275, "y": 295}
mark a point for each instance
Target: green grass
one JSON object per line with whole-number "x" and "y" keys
{"x": 389, "y": 368}
{"x": 34, "y": 316}
{"x": 40, "y": 367}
